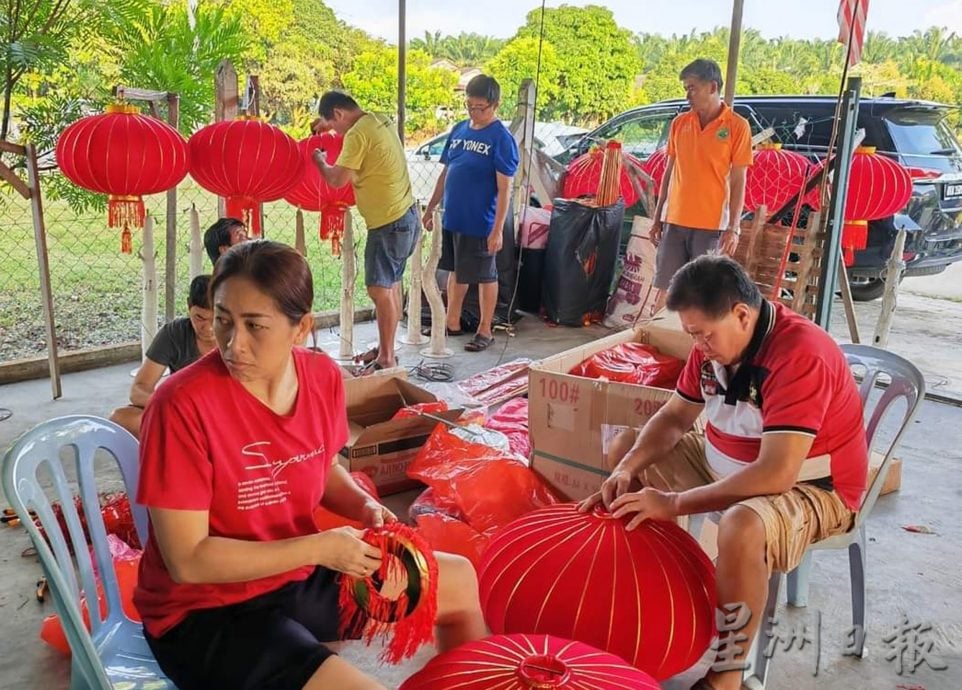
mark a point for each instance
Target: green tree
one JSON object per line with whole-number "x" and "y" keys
{"x": 517, "y": 61}
{"x": 597, "y": 60}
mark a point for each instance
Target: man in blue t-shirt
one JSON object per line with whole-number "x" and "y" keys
{"x": 479, "y": 159}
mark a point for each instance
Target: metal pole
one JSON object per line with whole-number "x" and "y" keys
{"x": 832, "y": 249}
{"x": 734, "y": 44}
{"x": 170, "y": 250}
{"x": 401, "y": 67}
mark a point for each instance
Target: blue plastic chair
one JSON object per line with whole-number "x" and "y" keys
{"x": 114, "y": 654}
{"x": 905, "y": 382}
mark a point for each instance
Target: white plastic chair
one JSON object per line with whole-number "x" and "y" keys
{"x": 114, "y": 653}
{"x": 905, "y": 382}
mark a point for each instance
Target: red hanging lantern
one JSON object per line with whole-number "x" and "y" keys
{"x": 655, "y": 165}
{"x": 584, "y": 175}
{"x": 523, "y": 662}
{"x": 877, "y": 187}
{"x": 647, "y": 595}
{"x": 313, "y": 193}
{"x": 125, "y": 155}
{"x": 248, "y": 161}
{"x": 774, "y": 177}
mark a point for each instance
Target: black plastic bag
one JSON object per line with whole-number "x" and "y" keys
{"x": 580, "y": 260}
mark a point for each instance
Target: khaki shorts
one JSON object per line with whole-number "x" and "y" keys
{"x": 793, "y": 521}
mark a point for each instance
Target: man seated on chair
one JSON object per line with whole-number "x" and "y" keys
{"x": 784, "y": 453}
{"x": 177, "y": 344}
{"x": 222, "y": 235}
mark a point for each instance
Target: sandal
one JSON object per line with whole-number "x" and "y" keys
{"x": 366, "y": 358}
{"x": 479, "y": 343}
{"x": 447, "y": 331}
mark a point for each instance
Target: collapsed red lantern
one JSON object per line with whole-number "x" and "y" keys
{"x": 522, "y": 662}
{"x": 647, "y": 595}
{"x": 774, "y": 177}
{"x": 126, "y": 155}
{"x": 584, "y": 176}
{"x": 655, "y": 166}
{"x": 248, "y": 161}
{"x": 312, "y": 193}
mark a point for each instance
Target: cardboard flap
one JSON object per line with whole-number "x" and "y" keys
{"x": 395, "y": 429}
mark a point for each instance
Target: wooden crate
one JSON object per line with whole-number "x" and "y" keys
{"x": 760, "y": 251}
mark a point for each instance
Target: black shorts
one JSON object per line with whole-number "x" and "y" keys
{"x": 469, "y": 258}
{"x": 270, "y": 642}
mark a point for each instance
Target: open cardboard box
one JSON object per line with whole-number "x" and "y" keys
{"x": 377, "y": 445}
{"x": 570, "y": 417}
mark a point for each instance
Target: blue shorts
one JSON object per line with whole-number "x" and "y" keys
{"x": 388, "y": 248}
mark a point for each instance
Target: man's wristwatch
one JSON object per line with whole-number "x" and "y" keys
{"x": 736, "y": 232}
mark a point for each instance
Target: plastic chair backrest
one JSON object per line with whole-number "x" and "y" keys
{"x": 905, "y": 381}
{"x": 43, "y": 447}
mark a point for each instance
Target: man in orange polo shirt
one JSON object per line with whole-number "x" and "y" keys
{"x": 703, "y": 189}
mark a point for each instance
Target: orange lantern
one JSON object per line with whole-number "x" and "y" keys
{"x": 126, "y": 155}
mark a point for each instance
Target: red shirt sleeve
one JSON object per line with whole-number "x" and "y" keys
{"x": 689, "y": 383}
{"x": 175, "y": 468}
{"x": 796, "y": 396}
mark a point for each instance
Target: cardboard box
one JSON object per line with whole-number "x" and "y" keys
{"x": 569, "y": 416}
{"x": 377, "y": 445}
{"x": 893, "y": 480}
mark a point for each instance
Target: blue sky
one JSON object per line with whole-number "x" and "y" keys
{"x": 793, "y": 18}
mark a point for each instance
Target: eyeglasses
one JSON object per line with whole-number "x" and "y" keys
{"x": 476, "y": 108}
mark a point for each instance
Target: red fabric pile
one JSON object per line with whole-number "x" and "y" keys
{"x": 635, "y": 363}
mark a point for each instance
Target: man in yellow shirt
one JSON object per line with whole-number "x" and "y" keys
{"x": 702, "y": 193}
{"x": 372, "y": 159}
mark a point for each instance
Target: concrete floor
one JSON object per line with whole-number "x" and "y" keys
{"x": 909, "y": 575}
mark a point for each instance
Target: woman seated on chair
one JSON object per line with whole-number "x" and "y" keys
{"x": 237, "y": 587}
{"x": 178, "y": 343}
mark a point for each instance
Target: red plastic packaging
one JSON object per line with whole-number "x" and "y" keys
{"x": 428, "y": 407}
{"x": 325, "y": 519}
{"x": 632, "y": 363}
{"x": 489, "y": 488}
{"x": 449, "y": 534}
{"x": 512, "y": 421}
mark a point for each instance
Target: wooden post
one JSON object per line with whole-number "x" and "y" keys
{"x": 43, "y": 264}
{"x": 734, "y": 44}
{"x": 807, "y": 262}
{"x": 148, "y": 313}
{"x": 523, "y": 129}
{"x": 429, "y": 281}
{"x": 348, "y": 274}
{"x": 893, "y": 276}
{"x": 845, "y": 289}
{"x": 225, "y": 106}
{"x": 170, "y": 266}
{"x": 414, "y": 335}
{"x": 300, "y": 243}
{"x": 196, "y": 251}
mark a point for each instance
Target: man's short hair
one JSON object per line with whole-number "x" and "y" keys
{"x": 703, "y": 69}
{"x": 483, "y": 86}
{"x": 713, "y": 285}
{"x": 335, "y": 99}
{"x": 198, "y": 295}
{"x": 218, "y": 235}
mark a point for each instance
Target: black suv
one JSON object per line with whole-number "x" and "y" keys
{"x": 911, "y": 132}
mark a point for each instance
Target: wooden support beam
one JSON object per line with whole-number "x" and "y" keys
{"x": 131, "y": 94}
{"x": 8, "y": 147}
{"x": 14, "y": 180}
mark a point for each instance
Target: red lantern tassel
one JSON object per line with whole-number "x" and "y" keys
{"x": 126, "y": 242}
{"x": 332, "y": 225}
{"x": 124, "y": 211}
{"x": 854, "y": 238}
{"x": 246, "y": 209}
{"x": 407, "y": 622}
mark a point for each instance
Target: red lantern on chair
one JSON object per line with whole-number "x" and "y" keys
{"x": 877, "y": 187}
{"x": 584, "y": 175}
{"x": 774, "y": 177}
{"x": 647, "y": 595}
{"x": 523, "y": 662}
{"x": 126, "y": 155}
{"x": 248, "y": 161}
{"x": 313, "y": 193}
{"x": 655, "y": 165}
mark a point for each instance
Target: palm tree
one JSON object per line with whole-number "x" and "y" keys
{"x": 432, "y": 44}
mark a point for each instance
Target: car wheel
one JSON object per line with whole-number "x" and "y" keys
{"x": 867, "y": 289}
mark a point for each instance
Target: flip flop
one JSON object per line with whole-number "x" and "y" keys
{"x": 479, "y": 343}
{"x": 447, "y": 331}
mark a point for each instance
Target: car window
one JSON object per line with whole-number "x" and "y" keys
{"x": 435, "y": 147}
{"x": 639, "y": 136}
{"x": 797, "y": 127}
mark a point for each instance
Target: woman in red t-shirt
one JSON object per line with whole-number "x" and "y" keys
{"x": 237, "y": 587}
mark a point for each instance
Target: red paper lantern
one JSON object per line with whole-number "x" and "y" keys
{"x": 248, "y": 161}
{"x": 877, "y": 187}
{"x": 584, "y": 175}
{"x": 655, "y": 165}
{"x": 774, "y": 177}
{"x": 523, "y": 662}
{"x": 647, "y": 595}
{"x": 126, "y": 155}
{"x": 313, "y": 193}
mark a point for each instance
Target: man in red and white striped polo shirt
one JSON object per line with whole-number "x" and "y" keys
{"x": 784, "y": 453}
